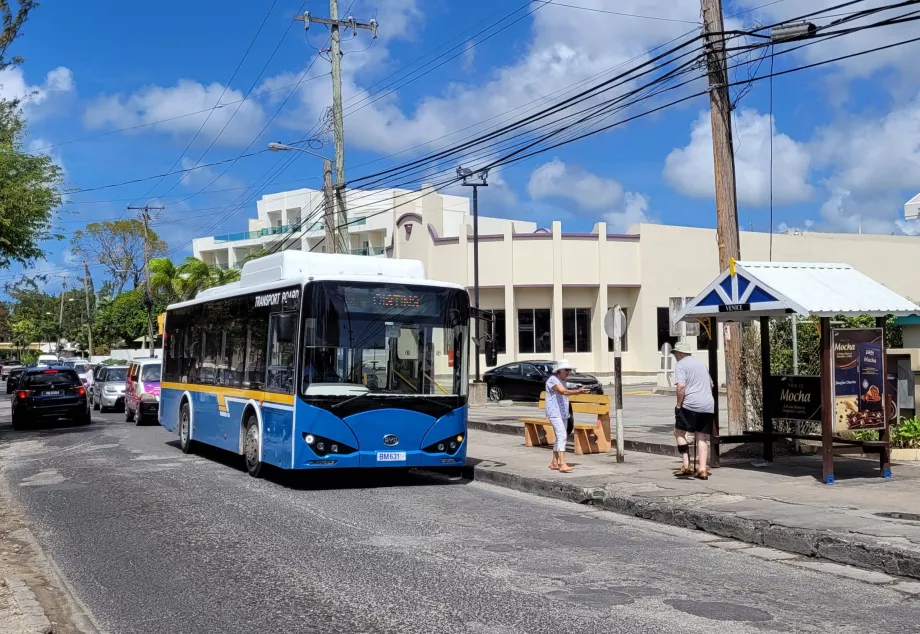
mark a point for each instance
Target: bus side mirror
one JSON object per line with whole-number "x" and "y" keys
{"x": 491, "y": 354}
{"x": 286, "y": 327}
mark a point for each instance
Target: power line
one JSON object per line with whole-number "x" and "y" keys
{"x": 627, "y": 15}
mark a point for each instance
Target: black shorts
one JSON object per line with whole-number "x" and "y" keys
{"x": 688, "y": 420}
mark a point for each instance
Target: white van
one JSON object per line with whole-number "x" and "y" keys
{"x": 48, "y": 359}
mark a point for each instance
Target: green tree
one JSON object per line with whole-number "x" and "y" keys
{"x": 171, "y": 283}
{"x": 117, "y": 245}
{"x": 123, "y": 319}
{"x": 24, "y": 332}
{"x": 29, "y": 183}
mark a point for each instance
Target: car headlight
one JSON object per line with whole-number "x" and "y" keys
{"x": 149, "y": 398}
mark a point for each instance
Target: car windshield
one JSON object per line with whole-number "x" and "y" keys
{"x": 68, "y": 364}
{"x": 398, "y": 339}
{"x": 116, "y": 374}
{"x": 150, "y": 373}
{"x": 80, "y": 367}
{"x": 49, "y": 379}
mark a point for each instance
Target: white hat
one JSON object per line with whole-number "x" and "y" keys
{"x": 563, "y": 364}
{"x": 683, "y": 347}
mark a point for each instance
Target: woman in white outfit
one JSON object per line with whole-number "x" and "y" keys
{"x": 557, "y": 411}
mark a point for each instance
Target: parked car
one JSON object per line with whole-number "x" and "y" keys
{"x": 49, "y": 394}
{"x": 142, "y": 391}
{"x": 82, "y": 369}
{"x": 108, "y": 389}
{"x": 12, "y": 379}
{"x": 8, "y": 365}
{"x": 524, "y": 381}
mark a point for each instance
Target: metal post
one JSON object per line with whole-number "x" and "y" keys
{"x": 618, "y": 378}
{"x": 765, "y": 388}
{"x": 827, "y": 401}
{"x": 476, "y": 271}
{"x": 61, "y": 317}
{"x": 89, "y": 315}
{"x": 795, "y": 344}
{"x": 713, "y": 350}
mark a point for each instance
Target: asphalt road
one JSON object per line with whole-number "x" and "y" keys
{"x": 152, "y": 540}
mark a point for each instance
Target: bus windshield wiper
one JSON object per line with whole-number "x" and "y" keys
{"x": 353, "y": 398}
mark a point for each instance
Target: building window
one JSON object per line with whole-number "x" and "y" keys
{"x": 664, "y": 327}
{"x": 576, "y": 330}
{"x": 534, "y": 330}
{"x": 624, "y": 340}
{"x": 498, "y": 331}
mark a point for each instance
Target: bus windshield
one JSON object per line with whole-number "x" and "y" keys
{"x": 393, "y": 339}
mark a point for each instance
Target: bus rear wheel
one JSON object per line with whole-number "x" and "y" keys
{"x": 251, "y": 447}
{"x": 185, "y": 429}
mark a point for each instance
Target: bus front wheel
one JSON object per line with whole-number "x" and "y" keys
{"x": 251, "y": 447}
{"x": 185, "y": 429}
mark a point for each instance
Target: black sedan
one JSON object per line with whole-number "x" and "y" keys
{"x": 49, "y": 394}
{"x": 525, "y": 380}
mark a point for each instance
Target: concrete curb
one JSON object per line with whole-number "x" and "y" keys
{"x": 639, "y": 446}
{"x": 33, "y": 616}
{"x": 843, "y": 548}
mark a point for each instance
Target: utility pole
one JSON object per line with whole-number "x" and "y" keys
{"x": 726, "y": 198}
{"x": 335, "y": 54}
{"x": 467, "y": 175}
{"x": 328, "y": 208}
{"x": 61, "y": 317}
{"x": 148, "y": 296}
{"x": 89, "y": 313}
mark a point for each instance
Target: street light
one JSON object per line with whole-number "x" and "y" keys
{"x": 468, "y": 176}
{"x": 329, "y": 214}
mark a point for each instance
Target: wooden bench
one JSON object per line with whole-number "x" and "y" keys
{"x": 589, "y": 437}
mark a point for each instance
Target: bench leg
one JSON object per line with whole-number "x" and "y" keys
{"x": 604, "y": 440}
{"x": 532, "y": 435}
{"x": 549, "y": 434}
{"x": 582, "y": 442}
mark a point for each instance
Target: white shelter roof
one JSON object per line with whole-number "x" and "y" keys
{"x": 755, "y": 289}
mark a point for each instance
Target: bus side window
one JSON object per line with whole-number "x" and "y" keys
{"x": 281, "y": 353}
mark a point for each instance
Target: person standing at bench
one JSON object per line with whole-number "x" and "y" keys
{"x": 694, "y": 410}
{"x": 557, "y": 411}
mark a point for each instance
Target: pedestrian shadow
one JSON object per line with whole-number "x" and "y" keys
{"x": 339, "y": 479}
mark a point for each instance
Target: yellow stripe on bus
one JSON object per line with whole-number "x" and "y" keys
{"x": 223, "y": 392}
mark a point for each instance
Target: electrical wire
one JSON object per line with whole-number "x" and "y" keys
{"x": 626, "y": 15}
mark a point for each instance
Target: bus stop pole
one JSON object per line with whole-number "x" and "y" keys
{"x": 713, "y": 349}
{"x": 618, "y": 378}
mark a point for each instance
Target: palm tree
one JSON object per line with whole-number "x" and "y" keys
{"x": 165, "y": 280}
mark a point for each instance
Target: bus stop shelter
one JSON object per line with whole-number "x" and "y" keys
{"x": 749, "y": 291}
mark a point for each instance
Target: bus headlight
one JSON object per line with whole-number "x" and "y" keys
{"x": 449, "y": 446}
{"x": 324, "y": 446}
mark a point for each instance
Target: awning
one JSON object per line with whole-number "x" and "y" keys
{"x": 747, "y": 290}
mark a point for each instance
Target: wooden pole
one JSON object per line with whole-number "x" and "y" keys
{"x": 726, "y": 197}
{"x": 765, "y": 385}
{"x": 827, "y": 401}
{"x": 329, "y": 238}
{"x": 713, "y": 349}
{"x": 618, "y": 378}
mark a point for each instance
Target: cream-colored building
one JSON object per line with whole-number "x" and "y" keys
{"x": 551, "y": 288}
{"x": 297, "y": 216}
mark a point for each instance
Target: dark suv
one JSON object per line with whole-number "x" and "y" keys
{"x": 49, "y": 394}
{"x": 525, "y": 380}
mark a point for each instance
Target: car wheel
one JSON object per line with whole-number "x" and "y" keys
{"x": 129, "y": 415}
{"x": 251, "y": 447}
{"x": 84, "y": 419}
{"x": 98, "y": 405}
{"x": 19, "y": 422}
{"x": 186, "y": 444}
{"x": 495, "y": 393}
{"x": 139, "y": 420}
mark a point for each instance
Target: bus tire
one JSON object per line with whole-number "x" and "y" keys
{"x": 186, "y": 444}
{"x": 251, "y": 447}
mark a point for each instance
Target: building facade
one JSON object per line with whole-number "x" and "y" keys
{"x": 551, "y": 289}
{"x": 297, "y": 216}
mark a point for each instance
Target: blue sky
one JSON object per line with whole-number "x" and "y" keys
{"x": 846, "y": 140}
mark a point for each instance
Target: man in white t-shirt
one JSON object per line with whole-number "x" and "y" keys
{"x": 694, "y": 410}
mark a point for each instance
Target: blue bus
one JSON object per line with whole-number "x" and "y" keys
{"x": 321, "y": 361}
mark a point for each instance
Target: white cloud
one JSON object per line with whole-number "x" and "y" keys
{"x": 561, "y": 52}
{"x": 591, "y": 193}
{"x": 13, "y": 85}
{"x": 468, "y": 59}
{"x": 556, "y": 179}
{"x": 690, "y": 170}
{"x": 39, "y": 145}
{"x": 635, "y": 211}
{"x": 869, "y": 155}
{"x": 158, "y": 103}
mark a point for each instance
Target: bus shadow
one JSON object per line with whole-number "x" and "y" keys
{"x": 338, "y": 479}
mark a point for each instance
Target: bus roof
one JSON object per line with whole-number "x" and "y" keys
{"x": 299, "y": 267}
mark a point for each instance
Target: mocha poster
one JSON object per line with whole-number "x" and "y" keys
{"x": 859, "y": 379}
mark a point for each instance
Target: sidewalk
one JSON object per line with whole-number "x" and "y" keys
{"x": 648, "y": 420}
{"x": 785, "y": 506}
